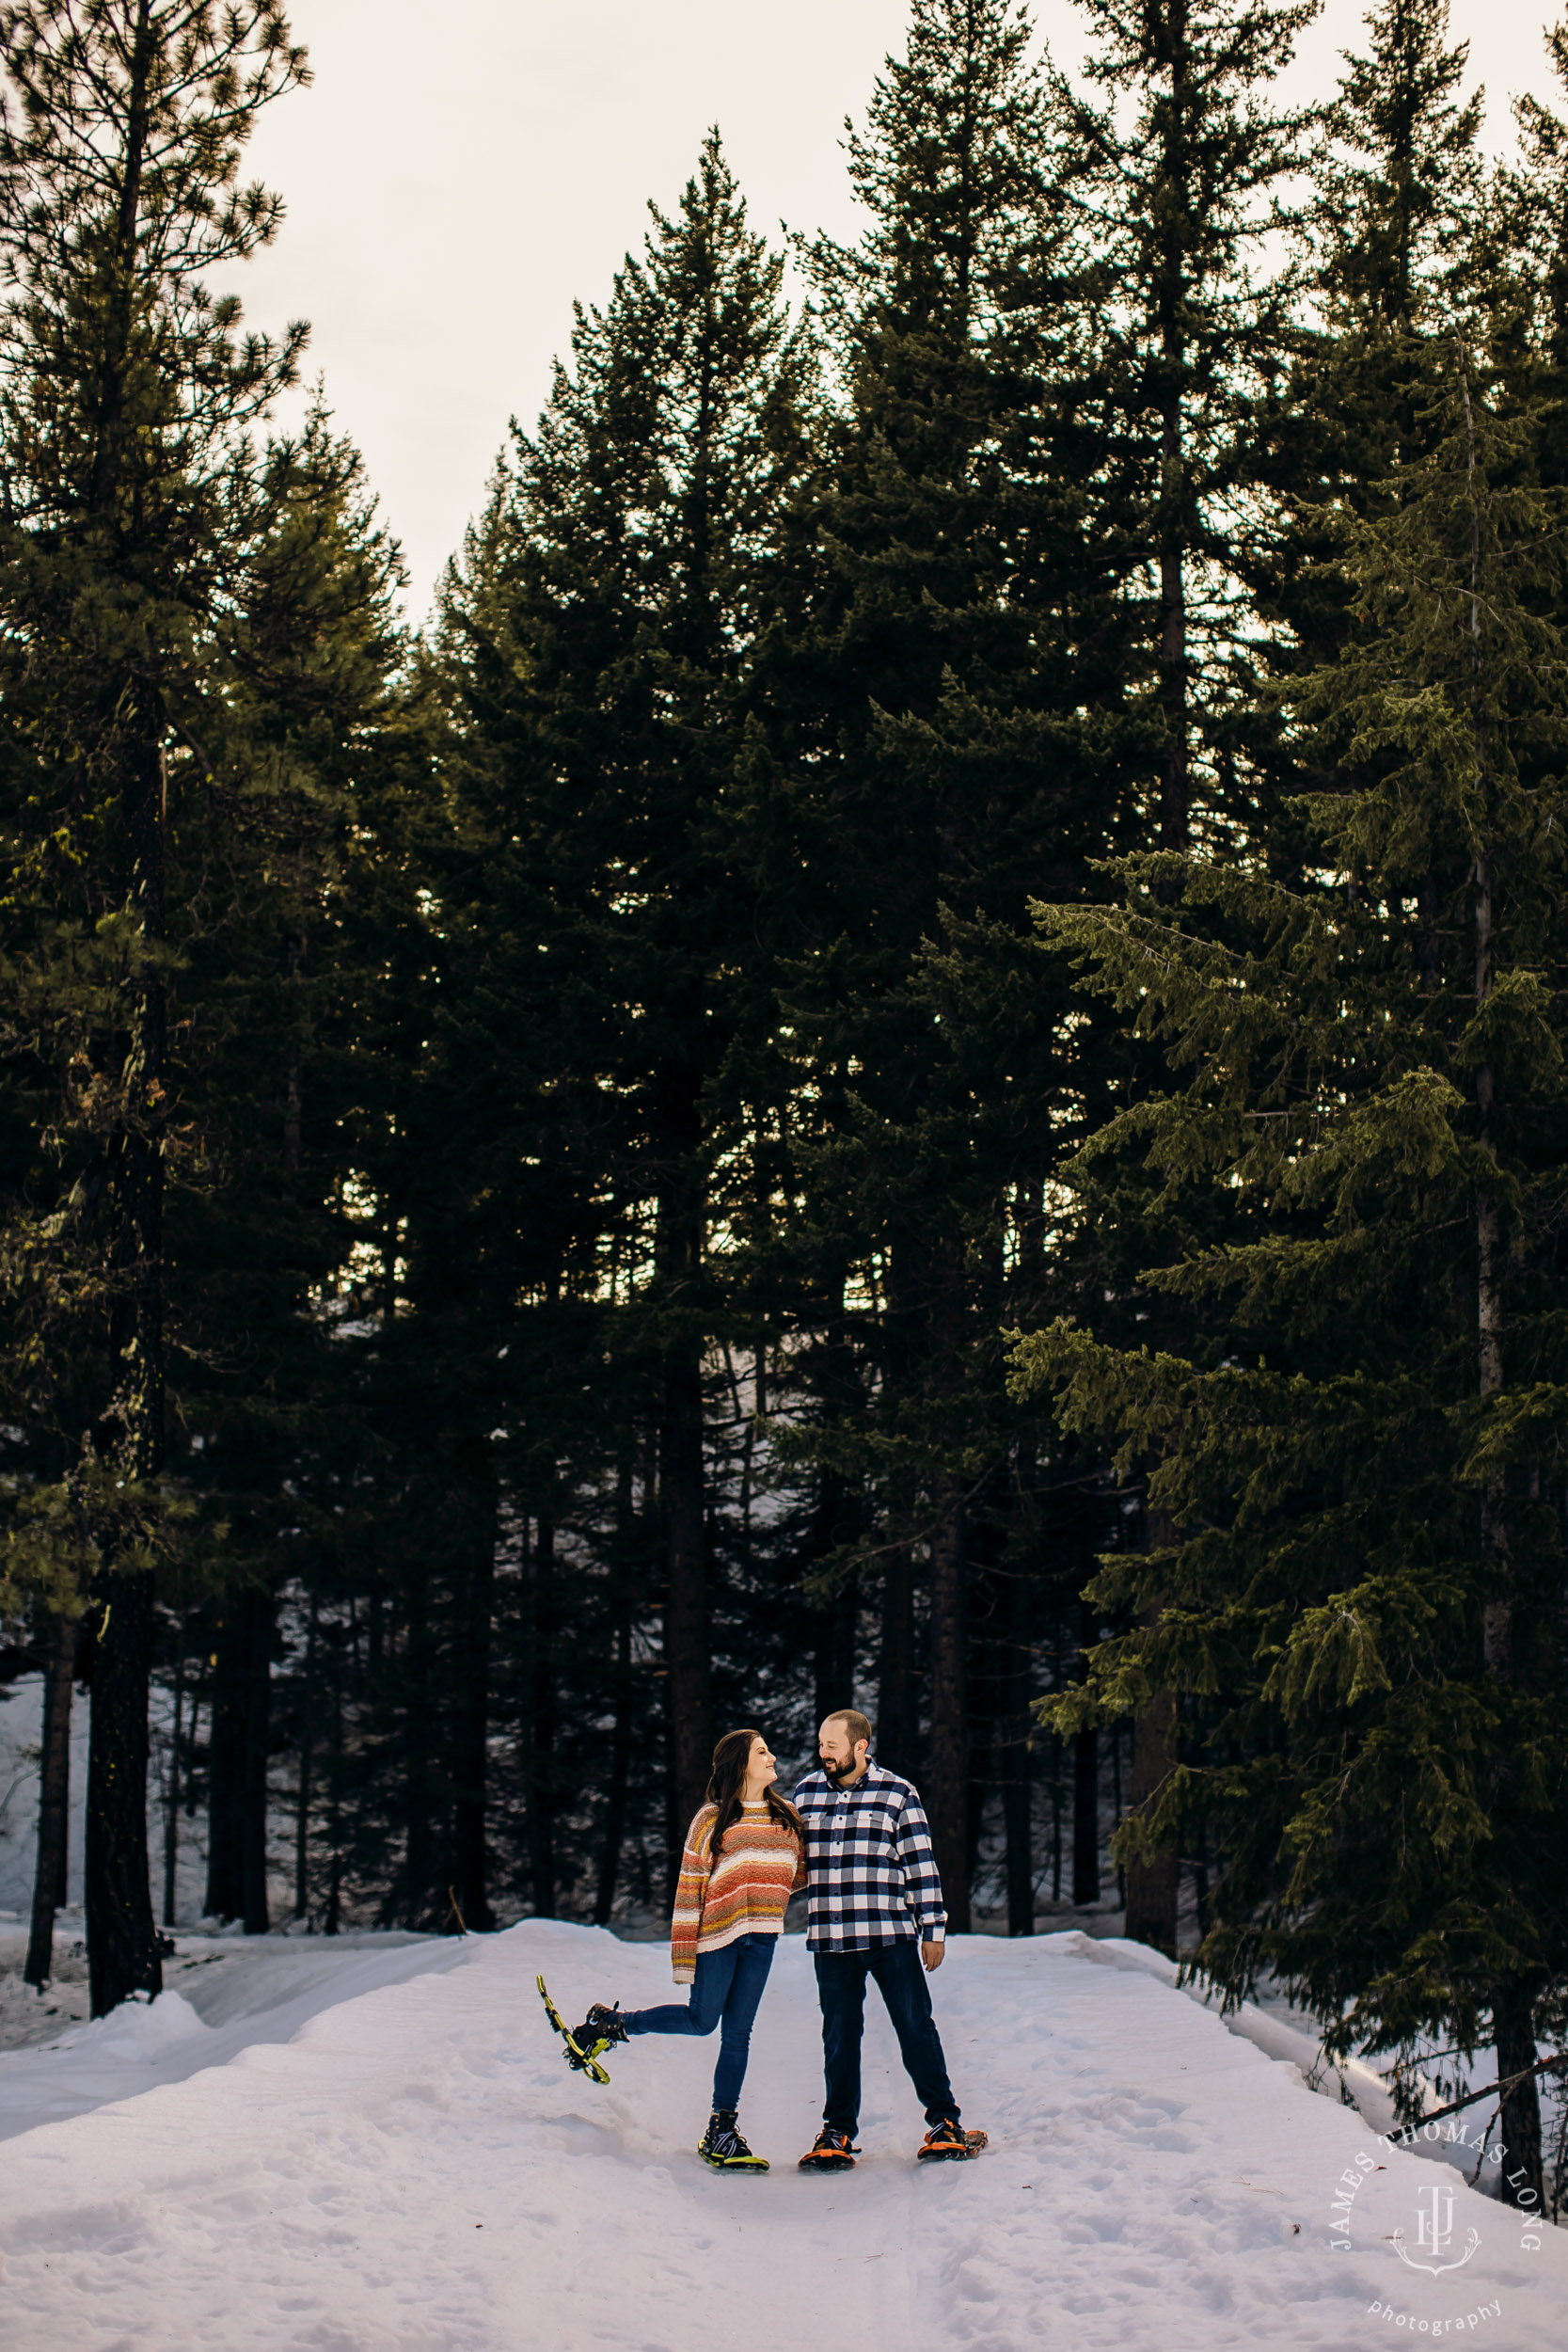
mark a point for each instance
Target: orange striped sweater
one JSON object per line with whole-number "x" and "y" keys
{"x": 761, "y": 1863}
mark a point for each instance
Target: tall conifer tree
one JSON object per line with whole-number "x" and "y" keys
{"x": 127, "y": 394}
{"x": 927, "y": 718}
{"x": 600, "y": 637}
{"x": 1359, "y": 1438}
{"x": 1176, "y": 167}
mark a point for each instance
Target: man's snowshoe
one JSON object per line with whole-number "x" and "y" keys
{"x": 832, "y": 2152}
{"x": 582, "y": 2062}
{"x": 948, "y": 2143}
{"x": 722, "y": 2146}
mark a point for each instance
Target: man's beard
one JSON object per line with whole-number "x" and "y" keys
{"x": 838, "y": 1774}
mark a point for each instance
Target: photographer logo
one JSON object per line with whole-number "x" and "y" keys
{"x": 1434, "y": 2235}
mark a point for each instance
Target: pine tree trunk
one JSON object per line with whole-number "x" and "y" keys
{"x": 472, "y": 1746}
{"x": 541, "y": 1711}
{"x": 258, "y": 1613}
{"x": 1017, "y": 1759}
{"x": 1085, "y": 1797}
{"x": 897, "y": 1723}
{"x": 1085, "y": 1817}
{"x": 50, "y": 1875}
{"x": 681, "y": 1468}
{"x": 123, "y": 1935}
{"x": 687, "y": 1634}
{"x": 238, "y": 1744}
{"x": 833, "y": 1659}
{"x": 225, "y": 1895}
{"x": 1522, "y": 2180}
{"x": 1153, "y": 1886}
{"x": 171, "y": 1809}
{"x": 947, "y": 1778}
{"x": 307, "y": 1762}
{"x": 332, "y": 1923}
{"x": 620, "y": 1770}
{"x": 837, "y": 1619}
{"x": 419, "y": 1909}
{"x": 1512, "y": 2026}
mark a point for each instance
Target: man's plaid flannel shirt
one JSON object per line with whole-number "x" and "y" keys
{"x": 871, "y": 1877}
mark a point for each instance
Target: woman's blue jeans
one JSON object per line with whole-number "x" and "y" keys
{"x": 725, "y": 1993}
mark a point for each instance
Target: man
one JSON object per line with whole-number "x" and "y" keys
{"x": 874, "y": 1908}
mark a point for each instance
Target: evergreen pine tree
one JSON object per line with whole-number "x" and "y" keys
{"x": 1176, "y": 166}
{"x": 599, "y": 640}
{"x": 127, "y": 395}
{"x": 1357, "y": 1441}
{"x": 932, "y": 761}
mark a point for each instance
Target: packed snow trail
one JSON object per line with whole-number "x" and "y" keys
{"x": 418, "y": 2172}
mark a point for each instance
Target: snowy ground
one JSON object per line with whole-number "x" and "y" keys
{"x": 224, "y": 1994}
{"x": 416, "y": 2171}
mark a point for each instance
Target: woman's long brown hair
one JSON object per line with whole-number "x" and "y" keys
{"x": 728, "y": 1779}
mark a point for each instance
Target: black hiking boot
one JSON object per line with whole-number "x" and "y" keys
{"x": 947, "y": 2142}
{"x": 723, "y": 2148}
{"x": 600, "y": 2029}
{"x": 832, "y": 2152}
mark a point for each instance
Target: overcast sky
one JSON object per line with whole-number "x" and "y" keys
{"x": 457, "y": 175}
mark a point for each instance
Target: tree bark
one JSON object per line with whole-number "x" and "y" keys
{"x": 123, "y": 1935}
{"x": 473, "y": 1741}
{"x": 225, "y": 1895}
{"x": 307, "y": 1761}
{"x": 897, "y": 1724}
{"x": 1512, "y": 2026}
{"x": 542, "y": 1726}
{"x": 50, "y": 1876}
{"x": 1522, "y": 2181}
{"x": 620, "y": 1769}
{"x": 1153, "y": 1886}
{"x": 419, "y": 1906}
{"x": 1085, "y": 1817}
{"x": 835, "y": 1620}
{"x": 258, "y": 1613}
{"x": 947, "y": 1781}
{"x": 472, "y": 1511}
{"x": 681, "y": 1484}
{"x": 171, "y": 1807}
{"x": 238, "y": 1744}
{"x": 1017, "y": 1760}
{"x": 1085, "y": 1797}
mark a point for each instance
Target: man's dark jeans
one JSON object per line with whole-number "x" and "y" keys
{"x": 899, "y": 1975}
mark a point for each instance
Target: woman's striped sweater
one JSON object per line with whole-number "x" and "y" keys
{"x": 761, "y": 1863}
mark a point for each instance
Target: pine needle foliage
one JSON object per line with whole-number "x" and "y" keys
{"x": 1360, "y": 1445}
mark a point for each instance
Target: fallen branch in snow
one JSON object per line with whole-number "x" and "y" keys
{"x": 1492, "y": 2090}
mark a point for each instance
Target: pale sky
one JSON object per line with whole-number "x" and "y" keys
{"x": 458, "y": 175}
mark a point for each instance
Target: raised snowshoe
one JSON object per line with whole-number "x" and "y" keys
{"x": 582, "y": 2058}
{"x": 600, "y": 2029}
{"x": 722, "y": 2146}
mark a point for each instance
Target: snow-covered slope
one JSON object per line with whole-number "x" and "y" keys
{"x": 224, "y": 1994}
{"x": 417, "y": 2172}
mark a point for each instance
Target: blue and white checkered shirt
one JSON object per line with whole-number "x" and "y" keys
{"x": 871, "y": 1876}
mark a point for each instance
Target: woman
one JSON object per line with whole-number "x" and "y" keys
{"x": 745, "y": 1855}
